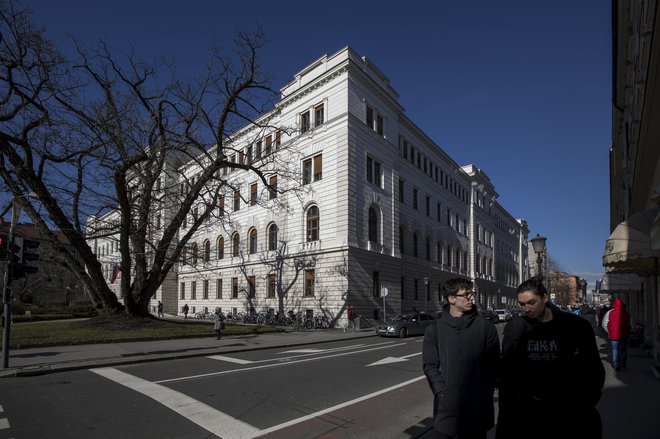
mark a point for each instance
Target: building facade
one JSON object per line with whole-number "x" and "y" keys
{"x": 634, "y": 244}
{"x": 372, "y": 212}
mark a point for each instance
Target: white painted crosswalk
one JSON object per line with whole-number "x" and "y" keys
{"x": 4, "y": 422}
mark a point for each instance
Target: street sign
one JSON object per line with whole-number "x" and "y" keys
{"x": 384, "y": 291}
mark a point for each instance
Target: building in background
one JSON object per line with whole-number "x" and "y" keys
{"x": 377, "y": 208}
{"x": 53, "y": 284}
{"x": 634, "y": 242}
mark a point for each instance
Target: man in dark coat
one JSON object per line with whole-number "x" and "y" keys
{"x": 543, "y": 353}
{"x": 460, "y": 355}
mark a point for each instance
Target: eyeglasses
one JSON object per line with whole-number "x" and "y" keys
{"x": 467, "y": 295}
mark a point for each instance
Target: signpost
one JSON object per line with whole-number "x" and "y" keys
{"x": 384, "y": 292}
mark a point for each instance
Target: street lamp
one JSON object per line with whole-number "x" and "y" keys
{"x": 426, "y": 292}
{"x": 538, "y": 244}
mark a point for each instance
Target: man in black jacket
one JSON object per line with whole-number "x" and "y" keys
{"x": 550, "y": 365}
{"x": 460, "y": 355}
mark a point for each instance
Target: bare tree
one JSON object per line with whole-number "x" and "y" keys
{"x": 111, "y": 133}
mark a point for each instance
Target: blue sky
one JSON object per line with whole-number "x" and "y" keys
{"x": 519, "y": 88}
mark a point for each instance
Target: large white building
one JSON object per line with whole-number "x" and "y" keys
{"x": 379, "y": 206}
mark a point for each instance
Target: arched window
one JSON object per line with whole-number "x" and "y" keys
{"x": 401, "y": 240}
{"x": 253, "y": 241}
{"x": 313, "y": 224}
{"x": 415, "y": 244}
{"x": 272, "y": 237}
{"x": 236, "y": 244}
{"x": 207, "y": 250}
{"x": 195, "y": 253}
{"x": 221, "y": 247}
{"x": 373, "y": 225}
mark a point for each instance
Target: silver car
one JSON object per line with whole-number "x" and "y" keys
{"x": 404, "y": 325}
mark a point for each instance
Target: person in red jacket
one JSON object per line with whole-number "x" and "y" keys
{"x": 618, "y": 327}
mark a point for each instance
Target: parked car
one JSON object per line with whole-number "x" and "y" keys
{"x": 503, "y": 315}
{"x": 405, "y": 325}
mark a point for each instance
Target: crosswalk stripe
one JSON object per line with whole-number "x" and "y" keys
{"x": 4, "y": 423}
{"x": 215, "y": 421}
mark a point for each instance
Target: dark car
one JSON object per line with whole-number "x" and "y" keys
{"x": 404, "y": 325}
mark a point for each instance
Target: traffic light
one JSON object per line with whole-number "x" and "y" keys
{"x": 23, "y": 256}
{"x": 4, "y": 247}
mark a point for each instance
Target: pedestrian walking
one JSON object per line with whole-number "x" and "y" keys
{"x": 160, "y": 309}
{"x": 618, "y": 329}
{"x": 185, "y": 311}
{"x": 589, "y": 314}
{"x": 218, "y": 322}
{"x": 351, "y": 315}
{"x": 543, "y": 354}
{"x": 460, "y": 354}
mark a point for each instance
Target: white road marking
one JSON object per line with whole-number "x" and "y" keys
{"x": 389, "y": 360}
{"x": 4, "y": 423}
{"x": 304, "y": 351}
{"x": 303, "y": 360}
{"x": 332, "y": 409}
{"x": 215, "y": 421}
{"x": 229, "y": 359}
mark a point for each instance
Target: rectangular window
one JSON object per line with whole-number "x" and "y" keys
{"x": 257, "y": 150}
{"x": 253, "y": 194}
{"x": 237, "y": 201}
{"x": 416, "y": 289}
{"x": 304, "y": 122}
{"x": 379, "y": 124}
{"x": 272, "y": 190}
{"x": 241, "y": 158}
{"x": 193, "y": 290}
{"x": 278, "y": 139}
{"x": 412, "y": 155}
{"x": 272, "y": 279}
{"x": 318, "y": 115}
{"x": 401, "y": 190}
{"x": 269, "y": 145}
{"x": 428, "y": 206}
{"x": 234, "y": 288}
{"x": 318, "y": 167}
{"x": 370, "y": 117}
{"x": 183, "y": 290}
{"x": 205, "y": 289}
{"x": 374, "y": 174}
{"x": 375, "y": 284}
{"x": 403, "y": 287}
{"x": 369, "y": 169}
{"x": 310, "y": 280}
{"x": 414, "y": 198}
{"x": 249, "y": 154}
{"x": 439, "y": 210}
{"x": 313, "y": 169}
{"x": 218, "y": 289}
{"x": 252, "y": 285}
{"x": 221, "y": 206}
{"x": 405, "y": 150}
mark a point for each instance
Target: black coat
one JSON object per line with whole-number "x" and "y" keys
{"x": 460, "y": 357}
{"x": 551, "y": 367}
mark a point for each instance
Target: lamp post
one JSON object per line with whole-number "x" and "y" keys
{"x": 538, "y": 244}
{"x": 426, "y": 292}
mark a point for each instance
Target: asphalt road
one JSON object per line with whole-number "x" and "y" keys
{"x": 366, "y": 388}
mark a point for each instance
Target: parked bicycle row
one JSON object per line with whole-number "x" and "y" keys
{"x": 290, "y": 319}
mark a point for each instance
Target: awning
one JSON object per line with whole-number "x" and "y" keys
{"x": 620, "y": 282}
{"x": 634, "y": 244}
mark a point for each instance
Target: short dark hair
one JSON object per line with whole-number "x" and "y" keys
{"x": 452, "y": 286}
{"x": 534, "y": 285}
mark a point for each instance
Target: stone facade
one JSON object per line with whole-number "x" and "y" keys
{"x": 369, "y": 201}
